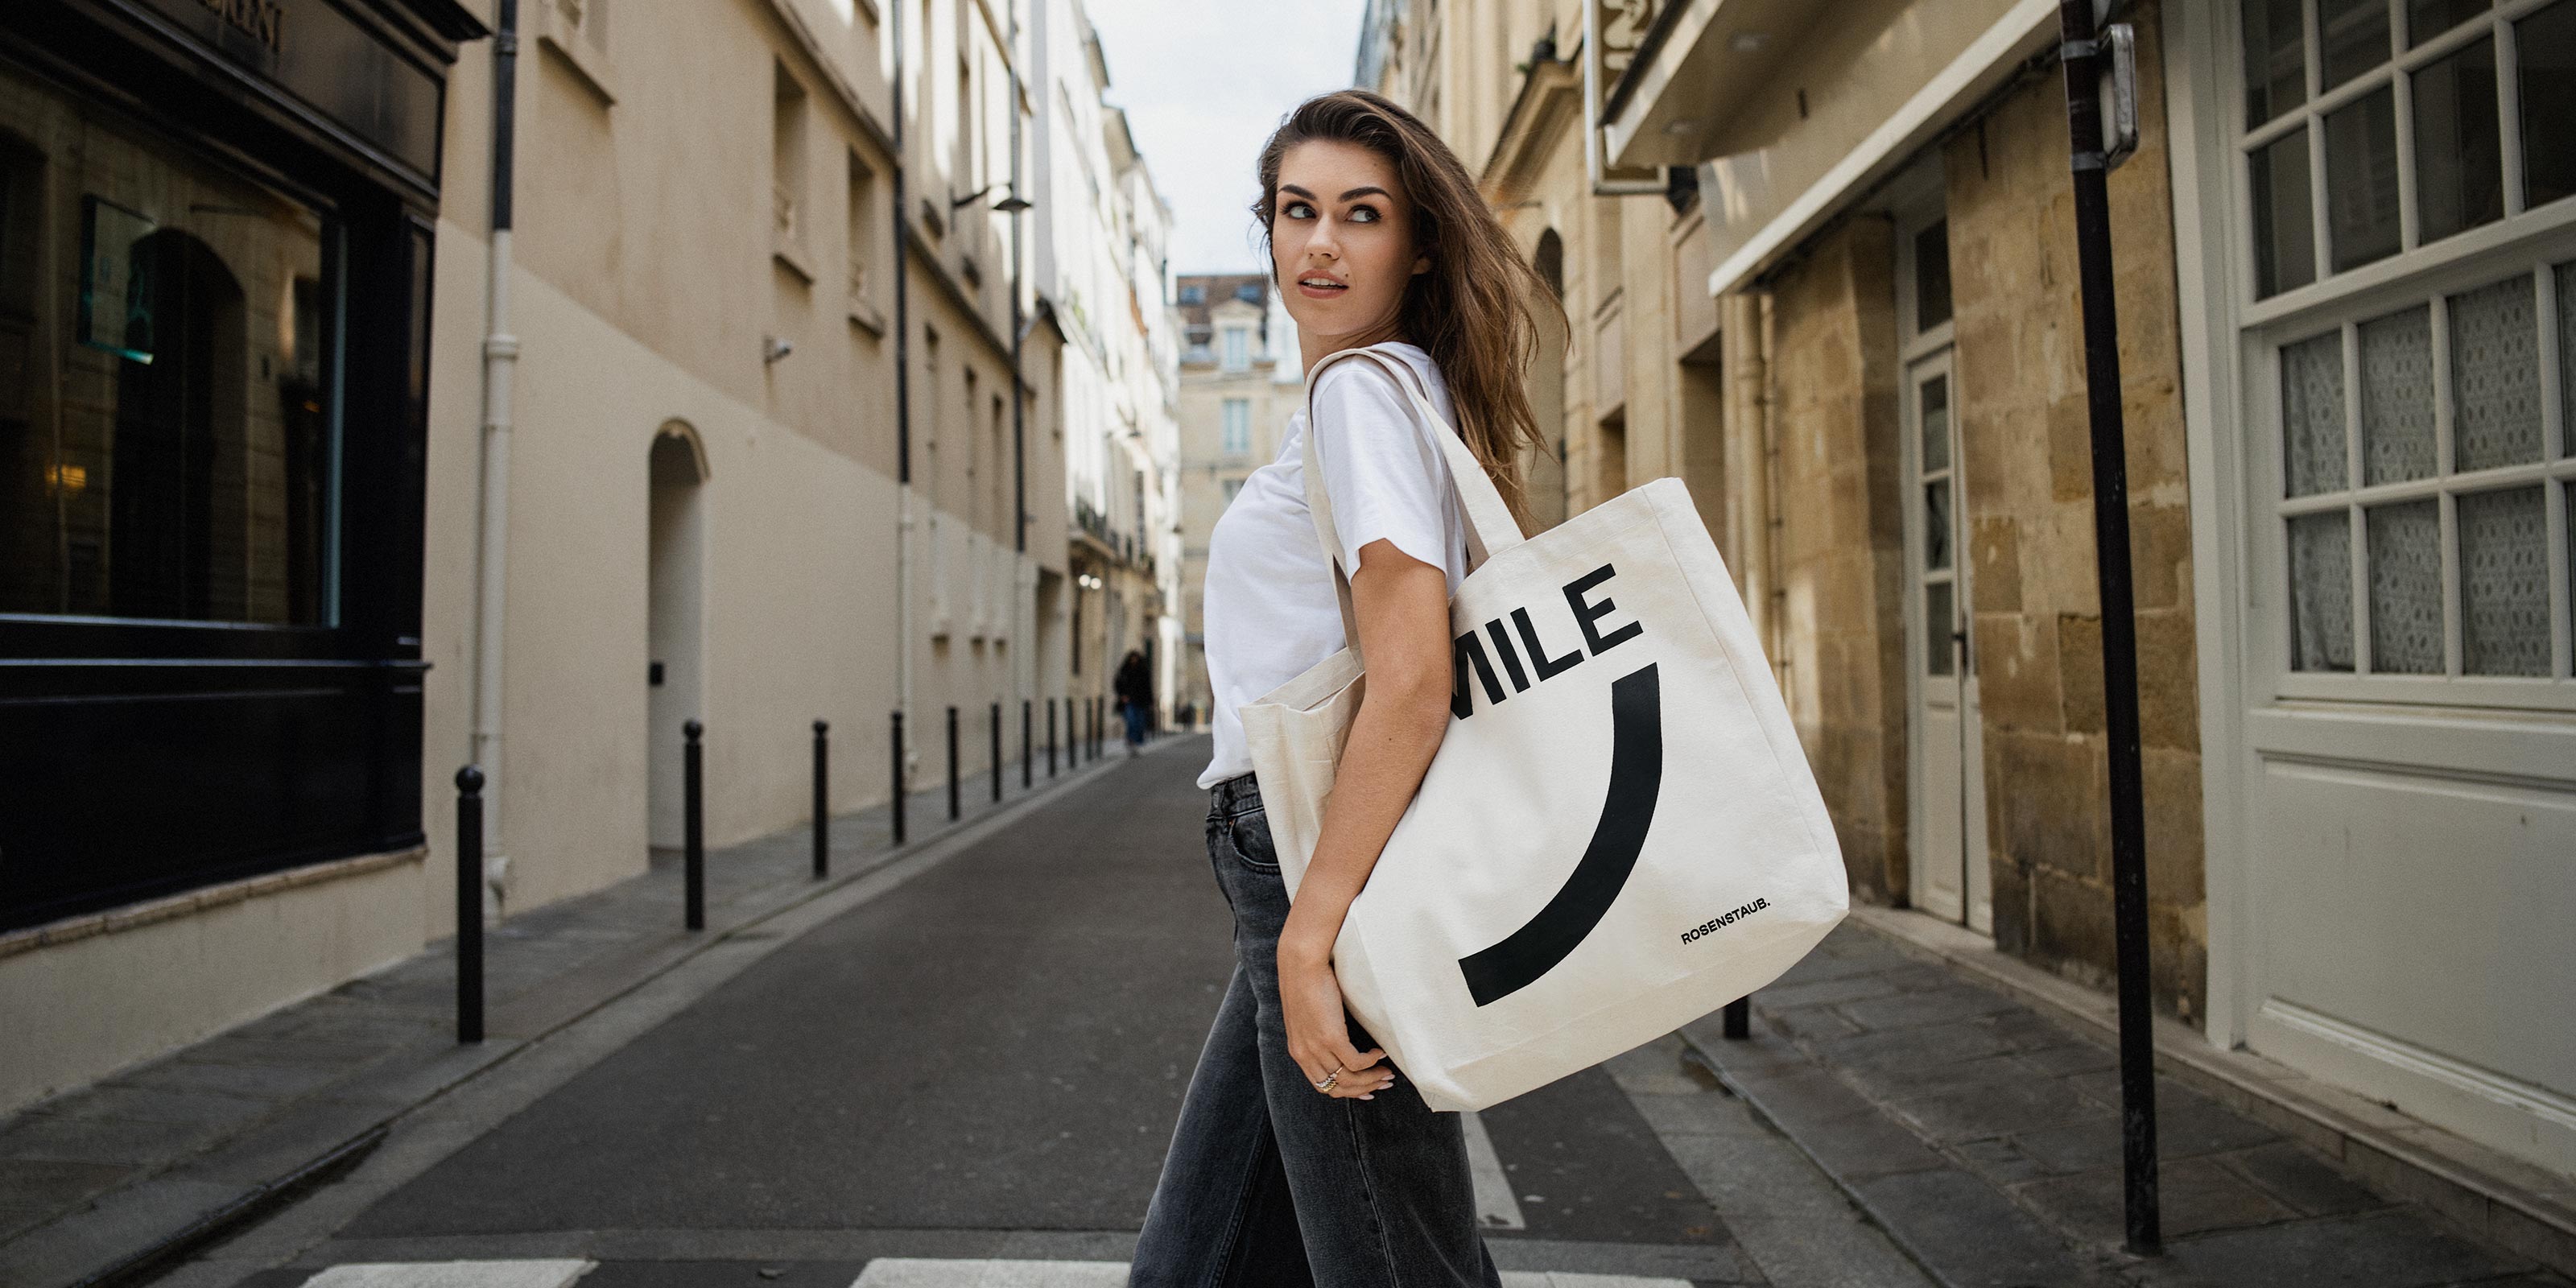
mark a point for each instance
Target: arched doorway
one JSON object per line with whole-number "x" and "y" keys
{"x": 674, "y": 619}
{"x": 1544, "y": 472}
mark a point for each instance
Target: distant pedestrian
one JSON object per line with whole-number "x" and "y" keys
{"x": 1301, "y": 1156}
{"x": 1135, "y": 689}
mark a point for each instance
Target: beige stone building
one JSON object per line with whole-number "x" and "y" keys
{"x": 529, "y": 501}
{"x": 1823, "y": 270}
{"x": 1240, "y": 382}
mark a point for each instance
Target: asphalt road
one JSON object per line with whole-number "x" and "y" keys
{"x": 985, "y": 1060}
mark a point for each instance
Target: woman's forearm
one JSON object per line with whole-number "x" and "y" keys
{"x": 1392, "y": 740}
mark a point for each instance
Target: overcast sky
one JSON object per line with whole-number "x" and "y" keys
{"x": 1203, "y": 85}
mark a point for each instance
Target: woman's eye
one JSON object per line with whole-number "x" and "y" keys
{"x": 1363, "y": 214}
{"x": 1299, "y": 210}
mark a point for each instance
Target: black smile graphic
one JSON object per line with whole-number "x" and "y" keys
{"x": 1636, "y": 778}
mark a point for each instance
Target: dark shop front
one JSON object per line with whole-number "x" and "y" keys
{"x": 215, "y": 233}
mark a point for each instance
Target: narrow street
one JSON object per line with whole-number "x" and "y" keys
{"x": 985, "y": 1062}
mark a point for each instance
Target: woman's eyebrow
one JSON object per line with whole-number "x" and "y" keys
{"x": 1357, "y": 193}
{"x": 1290, "y": 187}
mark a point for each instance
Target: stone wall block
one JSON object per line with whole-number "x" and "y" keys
{"x": 2168, "y": 681}
{"x": 1994, "y": 562}
{"x": 2050, "y": 813}
{"x": 2079, "y": 667}
{"x": 2176, "y": 870}
{"x": 2017, "y": 676}
{"x": 2071, "y": 930}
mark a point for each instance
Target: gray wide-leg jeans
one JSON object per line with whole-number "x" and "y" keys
{"x": 1270, "y": 1181}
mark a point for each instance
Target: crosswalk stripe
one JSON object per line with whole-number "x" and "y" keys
{"x": 912, "y": 1272}
{"x": 1496, "y": 1206}
{"x": 452, "y": 1274}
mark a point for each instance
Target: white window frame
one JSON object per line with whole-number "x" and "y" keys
{"x": 1235, "y": 426}
{"x": 2522, "y": 240}
{"x": 1237, "y": 341}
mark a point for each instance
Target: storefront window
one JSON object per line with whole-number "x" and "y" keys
{"x": 168, "y": 437}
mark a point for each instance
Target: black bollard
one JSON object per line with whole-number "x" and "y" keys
{"x": 997, "y": 753}
{"x": 693, "y": 823}
{"x": 1739, "y": 1019}
{"x": 469, "y": 904}
{"x": 895, "y": 762}
{"x": 1050, "y": 737}
{"x": 822, "y": 799}
{"x": 952, "y": 765}
{"x": 1028, "y": 760}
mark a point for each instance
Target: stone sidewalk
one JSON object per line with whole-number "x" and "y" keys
{"x": 108, "y": 1183}
{"x": 1983, "y": 1135}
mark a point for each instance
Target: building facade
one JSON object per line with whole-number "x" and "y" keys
{"x": 1104, "y": 279}
{"x": 1825, "y": 273}
{"x": 1240, "y": 382}
{"x": 324, "y": 478}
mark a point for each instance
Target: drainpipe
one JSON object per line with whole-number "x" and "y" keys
{"x": 1748, "y": 405}
{"x": 1023, "y": 584}
{"x": 902, "y": 415}
{"x": 500, "y": 360}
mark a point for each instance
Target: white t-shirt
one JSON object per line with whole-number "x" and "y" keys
{"x": 1270, "y": 608}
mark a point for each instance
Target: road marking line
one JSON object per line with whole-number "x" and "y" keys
{"x": 452, "y": 1274}
{"x": 917, "y": 1272}
{"x": 1496, "y": 1209}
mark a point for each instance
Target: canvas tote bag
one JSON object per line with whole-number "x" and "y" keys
{"x": 1619, "y": 834}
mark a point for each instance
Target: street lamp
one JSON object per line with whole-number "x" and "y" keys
{"x": 1010, "y": 205}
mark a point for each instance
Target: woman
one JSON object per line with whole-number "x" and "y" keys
{"x": 1301, "y": 1155}
{"x": 1135, "y": 688}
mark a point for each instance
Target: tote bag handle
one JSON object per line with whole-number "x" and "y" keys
{"x": 1490, "y": 526}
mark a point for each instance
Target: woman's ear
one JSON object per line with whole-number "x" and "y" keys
{"x": 1421, "y": 265}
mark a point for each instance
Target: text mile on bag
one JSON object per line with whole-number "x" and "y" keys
{"x": 1620, "y": 833}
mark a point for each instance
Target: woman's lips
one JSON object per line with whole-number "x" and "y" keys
{"x": 1320, "y": 290}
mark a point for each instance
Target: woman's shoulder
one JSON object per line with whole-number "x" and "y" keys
{"x": 1351, "y": 377}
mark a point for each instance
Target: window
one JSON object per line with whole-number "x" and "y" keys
{"x": 862, "y": 226}
{"x": 169, "y": 402}
{"x": 2424, "y": 468}
{"x": 787, "y": 165}
{"x": 1249, "y": 292}
{"x": 2427, "y": 118}
{"x": 1238, "y": 341}
{"x": 2420, "y": 476}
{"x": 1232, "y": 486}
{"x": 1193, "y": 294}
{"x": 1238, "y": 426}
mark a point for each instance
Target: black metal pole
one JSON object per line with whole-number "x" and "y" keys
{"x": 997, "y": 752}
{"x": 469, "y": 904}
{"x": 693, "y": 830}
{"x": 896, "y": 763}
{"x": 1739, "y": 1019}
{"x": 1050, "y": 737}
{"x": 952, "y": 765}
{"x": 1028, "y": 749}
{"x": 822, "y": 799}
{"x": 2085, "y": 64}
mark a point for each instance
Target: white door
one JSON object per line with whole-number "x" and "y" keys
{"x": 1948, "y": 800}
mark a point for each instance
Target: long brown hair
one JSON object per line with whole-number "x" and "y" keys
{"x": 1471, "y": 311}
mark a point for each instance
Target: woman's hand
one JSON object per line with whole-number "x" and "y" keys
{"x": 1319, "y": 1035}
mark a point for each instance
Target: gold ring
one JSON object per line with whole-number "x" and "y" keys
{"x": 1326, "y": 1086}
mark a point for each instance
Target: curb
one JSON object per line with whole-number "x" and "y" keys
{"x": 255, "y": 1201}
